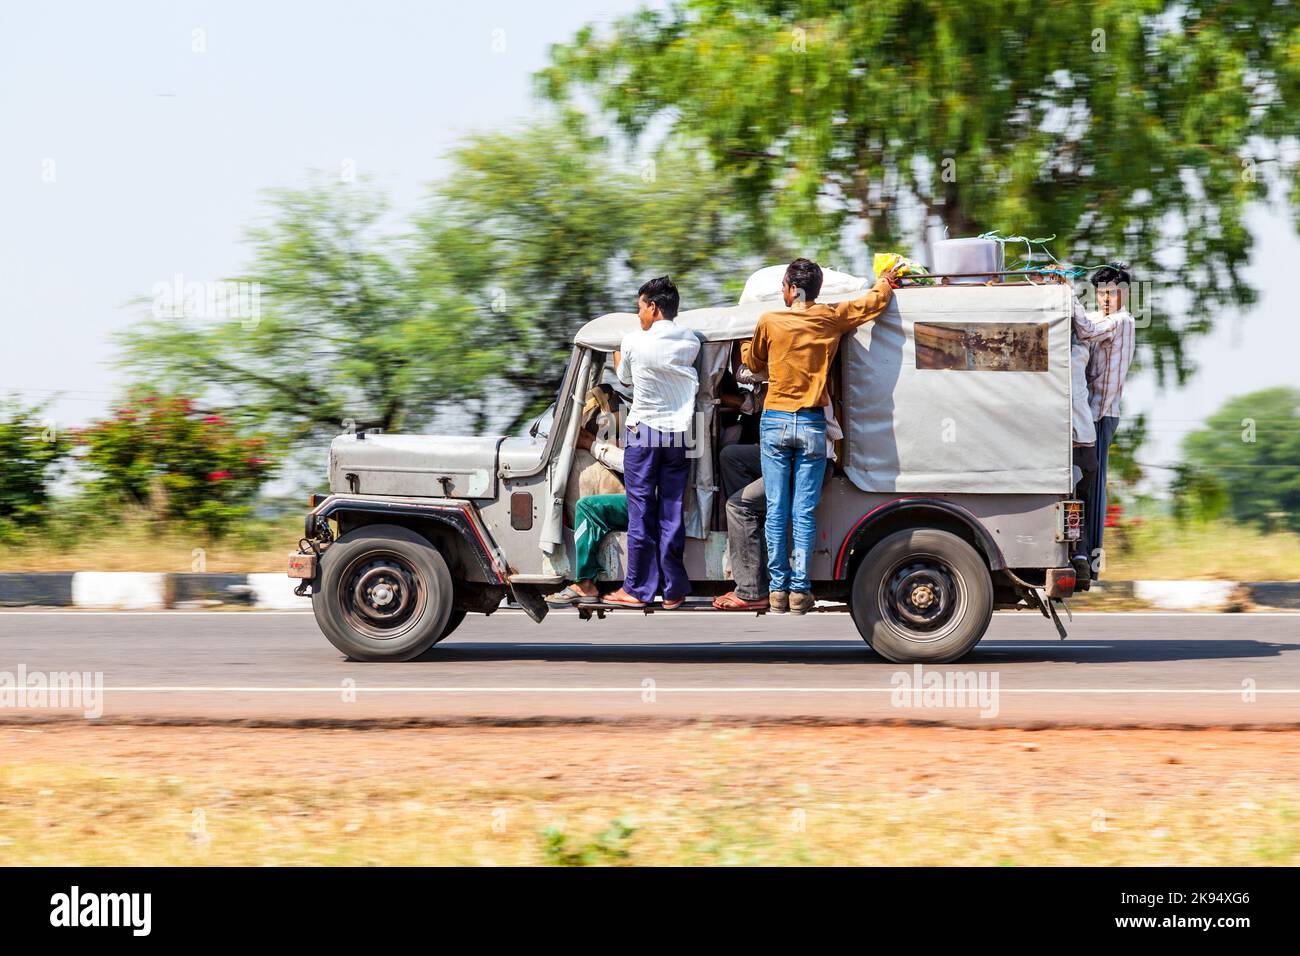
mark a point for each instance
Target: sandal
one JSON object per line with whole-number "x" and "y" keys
{"x": 570, "y": 597}
{"x": 626, "y": 601}
{"x": 672, "y": 604}
{"x": 731, "y": 601}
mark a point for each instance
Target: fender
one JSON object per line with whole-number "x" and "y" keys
{"x": 864, "y": 524}
{"x": 460, "y": 515}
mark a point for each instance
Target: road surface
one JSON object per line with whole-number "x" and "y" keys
{"x": 1116, "y": 669}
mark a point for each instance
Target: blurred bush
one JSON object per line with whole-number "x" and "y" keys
{"x": 159, "y": 454}
{"x": 1245, "y": 461}
{"x": 32, "y": 452}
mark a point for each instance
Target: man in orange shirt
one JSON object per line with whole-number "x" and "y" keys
{"x": 795, "y": 347}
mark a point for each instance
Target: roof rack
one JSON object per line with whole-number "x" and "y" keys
{"x": 921, "y": 280}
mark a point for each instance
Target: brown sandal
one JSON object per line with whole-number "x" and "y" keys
{"x": 731, "y": 601}
{"x": 629, "y": 600}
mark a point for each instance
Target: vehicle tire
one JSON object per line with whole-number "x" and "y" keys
{"x": 922, "y": 596}
{"x": 384, "y": 594}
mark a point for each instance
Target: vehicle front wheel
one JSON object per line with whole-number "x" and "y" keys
{"x": 384, "y": 594}
{"x": 922, "y": 596}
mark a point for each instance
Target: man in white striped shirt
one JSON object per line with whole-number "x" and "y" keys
{"x": 658, "y": 361}
{"x": 1111, "y": 336}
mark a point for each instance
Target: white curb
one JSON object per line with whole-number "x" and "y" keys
{"x": 128, "y": 590}
{"x": 274, "y": 589}
{"x": 1182, "y": 595}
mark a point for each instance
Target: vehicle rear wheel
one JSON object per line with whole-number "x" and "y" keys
{"x": 384, "y": 594}
{"x": 922, "y": 596}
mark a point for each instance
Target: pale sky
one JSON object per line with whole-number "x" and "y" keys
{"x": 129, "y": 157}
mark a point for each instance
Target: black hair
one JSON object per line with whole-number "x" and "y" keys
{"x": 806, "y": 276}
{"x": 662, "y": 293}
{"x": 1114, "y": 273}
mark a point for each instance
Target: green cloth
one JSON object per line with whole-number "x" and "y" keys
{"x": 593, "y": 518}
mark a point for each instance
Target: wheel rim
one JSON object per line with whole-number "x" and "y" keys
{"x": 382, "y": 594}
{"x": 921, "y": 596}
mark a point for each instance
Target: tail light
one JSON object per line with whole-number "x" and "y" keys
{"x": 1069, "y": 520}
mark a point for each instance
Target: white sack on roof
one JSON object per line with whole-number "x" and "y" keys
{"x": 765, "y": 285}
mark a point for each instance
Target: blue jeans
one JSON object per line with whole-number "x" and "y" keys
{"x": 793, "y": 445}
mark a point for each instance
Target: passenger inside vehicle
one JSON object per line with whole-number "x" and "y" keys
{"x": 597, "y": 467}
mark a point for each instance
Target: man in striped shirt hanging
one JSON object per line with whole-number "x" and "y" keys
{"x": 1110, "y": 335}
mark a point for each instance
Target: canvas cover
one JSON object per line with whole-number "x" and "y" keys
{"x": 974, "y": 415}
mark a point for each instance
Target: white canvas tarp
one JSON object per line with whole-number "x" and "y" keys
{"x": 965, "y": 427}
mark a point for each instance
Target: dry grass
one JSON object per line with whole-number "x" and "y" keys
{"x": 1160, "y": 549}
{"x": 140, "y": 545}
{"x": 594, "y": 796}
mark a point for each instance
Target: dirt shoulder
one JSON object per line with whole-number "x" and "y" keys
{"x": 693, "y": 794}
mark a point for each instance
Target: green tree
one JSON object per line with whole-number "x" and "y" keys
{"x": 543, "y": 229}
{"x": 343, "y": 331}
{"x": 1197, "y": 495}
{"x": 1139, "y": 129}
{"x": 472, "y": 306}
{"x": 31, "y": 454}
{"x": 1251, "y": 449}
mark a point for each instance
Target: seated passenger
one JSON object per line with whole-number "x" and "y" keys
{"x": 596, "y": 516}
{"x": 597, "y": 467}
{"x": 746, "y": 501}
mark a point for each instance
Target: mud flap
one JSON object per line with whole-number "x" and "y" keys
{"x": 1048, "y": 609}
{"x": 1060, "y": 628}
{"x": 530, "y": 598}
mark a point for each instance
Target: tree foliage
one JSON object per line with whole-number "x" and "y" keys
{"x": 1250, "y": 448}
{"x": 1139, "y": 129}
{"x": 31, "y": 455}
{"x": 541, "y": 231}
{"x": 344, "y": 332}
{"x": 469, "y": 307}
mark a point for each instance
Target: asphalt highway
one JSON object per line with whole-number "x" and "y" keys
{"x": 1116, "y": 669}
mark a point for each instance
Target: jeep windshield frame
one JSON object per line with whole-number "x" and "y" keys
{"x": 561, "y": 405}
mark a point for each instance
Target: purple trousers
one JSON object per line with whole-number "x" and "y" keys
{"x": 654, "y": 472}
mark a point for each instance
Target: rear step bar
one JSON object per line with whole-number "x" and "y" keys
{"x": 585, "y": 611}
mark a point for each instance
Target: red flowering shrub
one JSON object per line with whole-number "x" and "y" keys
{"x": 155, "y": 451}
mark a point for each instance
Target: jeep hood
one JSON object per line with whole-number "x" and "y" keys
{"x": 419, "y": 466}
